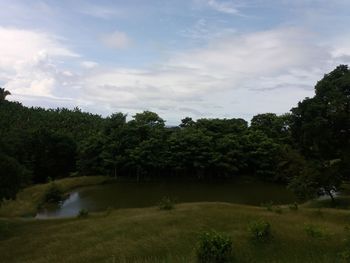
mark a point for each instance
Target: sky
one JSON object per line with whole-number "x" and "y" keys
{"x": 197, "y": 58}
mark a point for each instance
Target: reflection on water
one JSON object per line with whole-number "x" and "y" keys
{"x": 130, "y": 195}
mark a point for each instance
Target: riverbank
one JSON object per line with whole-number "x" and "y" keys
{"x": 28, "y": 200}
{"x": 153, "y": 235}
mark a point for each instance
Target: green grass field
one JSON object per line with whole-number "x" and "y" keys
{"x": 153, "y": 235}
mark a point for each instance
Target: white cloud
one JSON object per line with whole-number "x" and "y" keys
{"x": 204, "y": 30}
{"x": 99, "y": 11}
{"x": 223, "y": 6}
{"x": 19, "y": 45}
{"x": 263, "y": 52}
{"x": 89, "y": 64}
{"x": 235, "y": 75}
{"x": 28, "y": 61}
{"x": 116, "y": 40}
{"x": 341, "y": 46}
{"x": 240, "y": 75}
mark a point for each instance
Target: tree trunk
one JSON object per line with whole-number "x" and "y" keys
{"x": 331, "y": 196}
{"x": 138, "y": 173}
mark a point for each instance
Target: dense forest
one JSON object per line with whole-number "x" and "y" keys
{"x": 307, "y": 149}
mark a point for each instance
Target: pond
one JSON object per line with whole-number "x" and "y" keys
{"x": 132, "y": 195}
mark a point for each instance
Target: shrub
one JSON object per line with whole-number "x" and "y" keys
{"x": 294, "y": 207}
{"x": 83, "y": 213}
{"x": 214, "y": 247}
{"x": 53, "y": 195}
{"x": 166, "y": 203}
{"x": 260, "y": 230}
{"x": 268, "y": 206}
{"x": 314, "y": 231}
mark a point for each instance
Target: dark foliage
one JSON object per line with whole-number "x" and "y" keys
{"x": 260, "y": 231}
{"x": 12, "y": 175}
{"x": 166, "y": 203}
{"x": 309, "y": 149}
{"x": 53, "y": 195}
{"x": 83, "y": 213}
{"x": 214, "y": 247}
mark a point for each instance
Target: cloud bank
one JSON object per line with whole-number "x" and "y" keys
{"x": 215, "y": 62}
{"x": 116, "y": 40}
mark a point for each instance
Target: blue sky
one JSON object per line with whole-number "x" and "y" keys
{"x": 199, "y": 58}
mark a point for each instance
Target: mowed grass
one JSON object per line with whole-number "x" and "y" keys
{"x": 153, "y": 235}
{"x": 28, "y": 200}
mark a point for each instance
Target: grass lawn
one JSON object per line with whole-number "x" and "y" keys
{"x": 153, "y": 235}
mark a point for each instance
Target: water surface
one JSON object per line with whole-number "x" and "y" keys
{"x": 131, "y": 195}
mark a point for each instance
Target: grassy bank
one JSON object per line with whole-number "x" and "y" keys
{"x": 29, "y": 199}
{"x": 342, "y": 200}
{"x": 153, "y": 235}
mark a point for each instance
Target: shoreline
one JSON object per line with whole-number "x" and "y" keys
{"x": 29, "y": 199}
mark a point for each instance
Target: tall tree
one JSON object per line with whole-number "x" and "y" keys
{"x": 321, "y": 128}
{"x": 274, "y": 126}
{"x": 3, "y": 94}
{"x": 12, "y": 176}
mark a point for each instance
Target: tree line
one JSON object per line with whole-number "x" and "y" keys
{"x": 307, "y": 149}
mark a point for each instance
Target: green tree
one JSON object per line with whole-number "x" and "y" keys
{"x": 187, "y": 122}
{"x": 90, "y": 159}
{"x": 12, "y": 175}
{"x": 191, "y": 152}
{"x": 230, "y": 157}
{"x": 274, "y": 126}
{"x": 262, "y": 154}
{"x": 321, "y": 129}
{"x": 3, "y": 94}
{"x": 49, "y": 155}
{"x": 115, "y": 144}
{"x": 144, "y": 141}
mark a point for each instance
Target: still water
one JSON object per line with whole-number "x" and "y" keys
{"x": 131, "y": 195}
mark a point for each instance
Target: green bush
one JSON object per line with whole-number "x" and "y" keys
{"x": 166, "y": 203}
{"x": 314, "y": 231}
{"x": 268, "y": 206}
{"x": 83, "y": 213}
{"x": 294, "y": 207}
{"x": 260, "y": 230}
{"x": 54, "y": 194}
{"x": 214, "y": 247}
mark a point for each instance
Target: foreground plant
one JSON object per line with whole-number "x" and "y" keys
{"x": 314, "y": 231}
{"x": 294, "y": 206}
{"x": 214, "y": 247}
{"x": 83, "y": 213}
{"x": 166, "y": 203}
{"x": 260, "y": 230}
